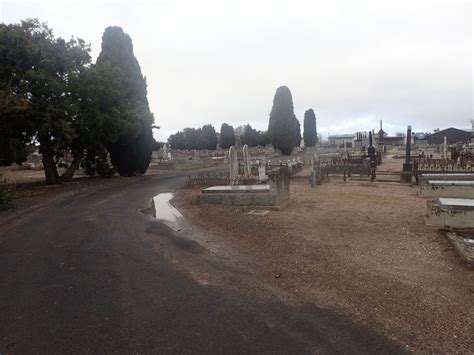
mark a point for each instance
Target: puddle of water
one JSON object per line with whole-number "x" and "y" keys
{"x": 164, "y": 210}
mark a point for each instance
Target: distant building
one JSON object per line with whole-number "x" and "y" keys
{"x": 453, "y": 135}
{"x": 338, "y": 140}
{"x": 472, "y": 131}
{"x": 420, "y": 138}
{"x": 361, "y": 139}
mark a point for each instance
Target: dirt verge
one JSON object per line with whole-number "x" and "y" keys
{"x": 362, "y": 249}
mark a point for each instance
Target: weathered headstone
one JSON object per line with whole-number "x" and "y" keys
{"x": 165, "y": 151}
{"x": 233, "y": 165}
{"x": 445, "y": 147}
{"x": 247, "y": 166}
{"x": 407, "y": 165}
{"x": 406, "y": 174}
{"x": 262, "y": 172}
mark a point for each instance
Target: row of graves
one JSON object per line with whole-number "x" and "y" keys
{"x": 348, "y": 165}
{"x": 168, "y": 159}
{"x": 173, "y": 159}
{"x": 256, "y": 181}
{"x": 247, "y": 182}
{"x": 448, "y": 184}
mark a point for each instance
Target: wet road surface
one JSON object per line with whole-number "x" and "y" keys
{"x": 91, "y": 273}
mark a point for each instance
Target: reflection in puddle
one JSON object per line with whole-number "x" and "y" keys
{"x": 164, "y": 211}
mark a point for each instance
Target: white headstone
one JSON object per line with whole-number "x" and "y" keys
{"x": 247, "y": 167}
{"x": 233, "y": 165}
{"x": 262, "y": 173}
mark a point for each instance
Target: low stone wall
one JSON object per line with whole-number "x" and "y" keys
{"x": 278, "y": 192}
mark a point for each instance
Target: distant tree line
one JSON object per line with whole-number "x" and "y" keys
{"x": 53, "y": 97}
{"x": 283, "y": 133}
{"x": 192, "y": 138}
{"x": 207, "y": 138}
{"x": 254, "y": 138}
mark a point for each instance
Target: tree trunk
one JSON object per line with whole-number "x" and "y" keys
{"x": 69, "y": 173}
{"x": 50, "y": 171}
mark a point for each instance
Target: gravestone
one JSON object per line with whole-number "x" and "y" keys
{"x": 247, "y": 166}
{"x": 233, "y": 165}
{"x": 165, "y": 151}
{"x": 445, "y": 146}
{"x": 406, "y": 174}
{"x": 262, "y": 172}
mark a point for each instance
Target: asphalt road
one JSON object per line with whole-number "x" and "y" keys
{"x": 92, "y": 274}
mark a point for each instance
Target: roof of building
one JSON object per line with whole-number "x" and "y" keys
{"x": 342, "y": 136}
{"x": 450, "y": 129}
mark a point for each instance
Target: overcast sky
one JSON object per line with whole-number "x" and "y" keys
{"x": 353, "y": 62}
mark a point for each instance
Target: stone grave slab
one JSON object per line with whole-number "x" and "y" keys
{"x": 424, "y": 178}
{"x": 452, "y": 212}
{"x": 448, "y": 189}
{"x": 237, "y": 189}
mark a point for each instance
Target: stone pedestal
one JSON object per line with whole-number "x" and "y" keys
{"x": 405, "y": 176}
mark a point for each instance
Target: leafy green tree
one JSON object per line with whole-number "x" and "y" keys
{"x": 131, "y": 152}
{"x": 101, "y": 116}
{"x": 310, "y": 135}
{"x": 15, "y": 130}
{"x": 283, "y": 126}
{"x": 35, "y": 83}
{"x": 208, "y": 138}
{"x": 227, "y": 136}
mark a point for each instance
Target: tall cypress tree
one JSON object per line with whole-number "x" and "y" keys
{"x": 227, "y": 136}
{"x": 283, "y": 126}
{"x": 131, "y": 152}
{"x": 310, "y": 135}
{"x": 208, "y": 138}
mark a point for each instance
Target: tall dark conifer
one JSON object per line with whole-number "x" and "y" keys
{"x": 310, "y": 135}
{"x": 131, "y": 153}
{"x": 208, "y": 138}
{"x": 227, "y": 136}
{"x": 284, "y": 127}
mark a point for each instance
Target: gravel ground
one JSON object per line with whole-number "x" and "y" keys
{"x": 361, "y": 249}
